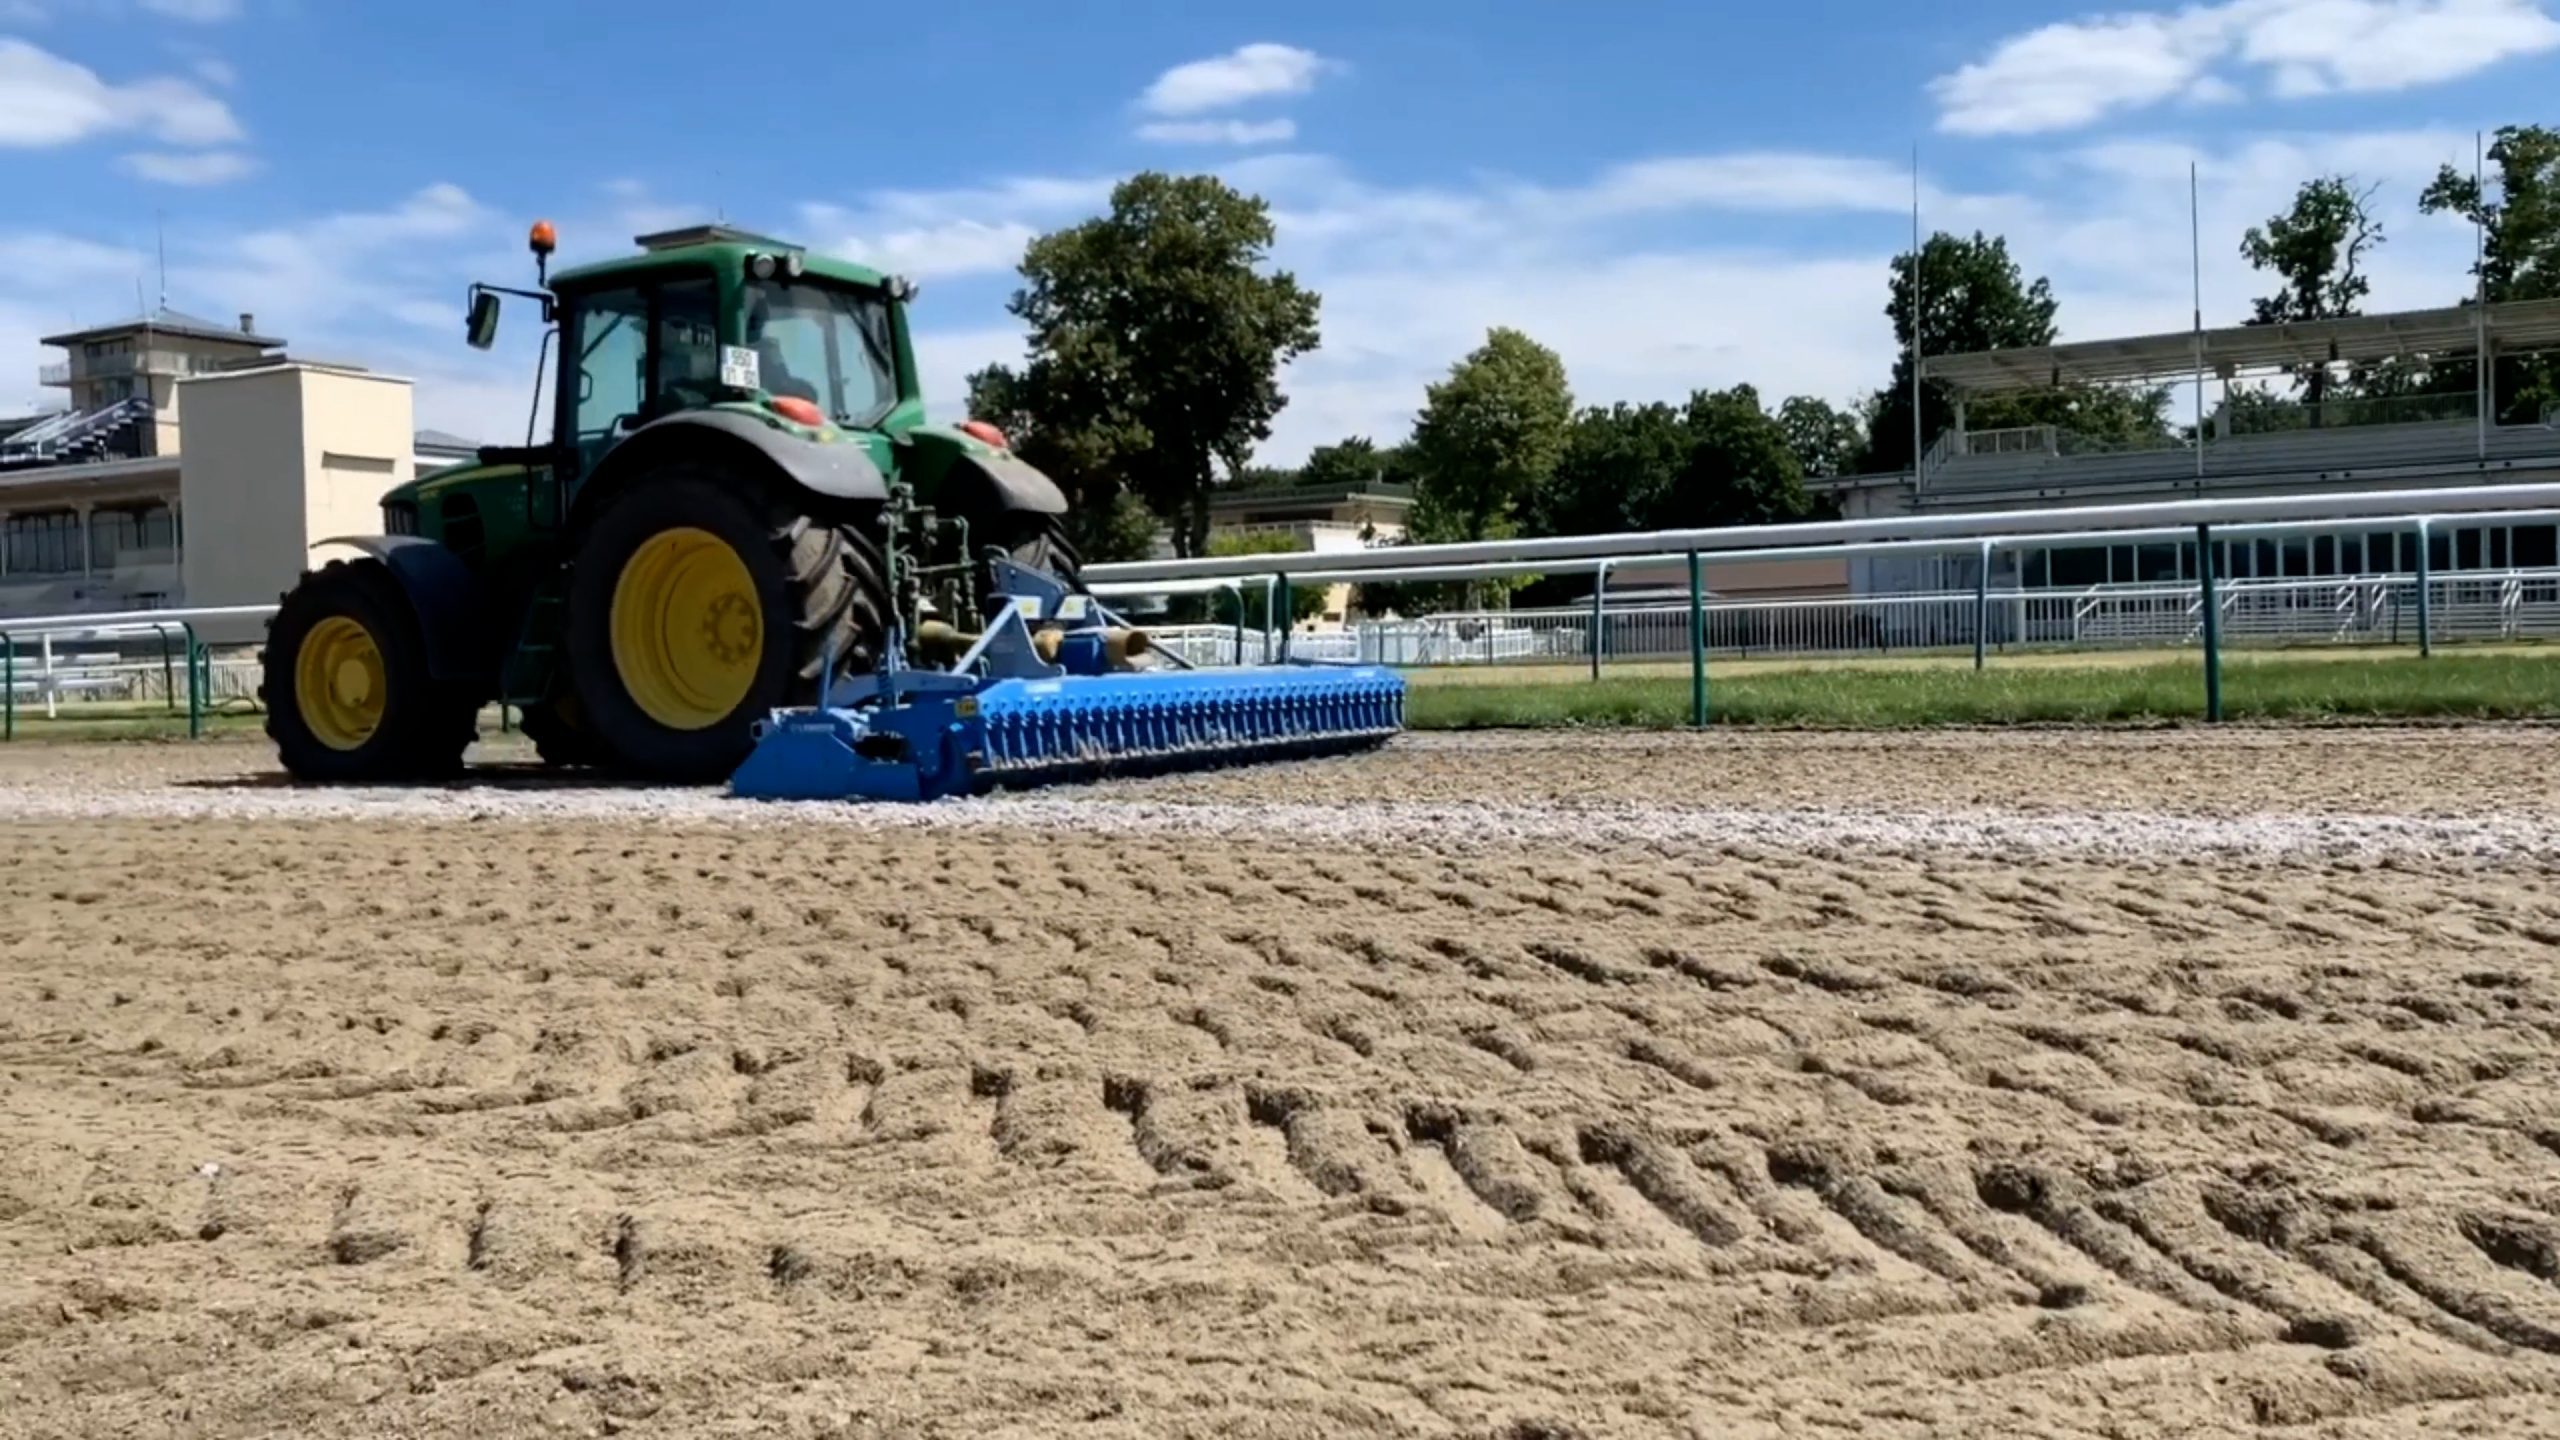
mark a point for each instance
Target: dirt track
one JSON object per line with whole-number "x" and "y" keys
{"x": 552, "y": 1118}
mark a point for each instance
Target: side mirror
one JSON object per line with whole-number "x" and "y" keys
{"x": 484, "y": 319}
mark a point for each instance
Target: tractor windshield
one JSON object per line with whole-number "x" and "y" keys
{"x": 827, "y": 346}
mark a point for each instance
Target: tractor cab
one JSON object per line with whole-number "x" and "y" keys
{"x": 711, "y": 317}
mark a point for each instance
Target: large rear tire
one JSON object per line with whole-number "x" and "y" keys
{"x": 695, "y": 609}
{"x": 345, "y": 683}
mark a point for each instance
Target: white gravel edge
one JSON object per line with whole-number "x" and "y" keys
{"x": 2114, "y": 834}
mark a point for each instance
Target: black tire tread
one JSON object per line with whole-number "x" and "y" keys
{"x": 837, "y": 603}
{"x": 432, "y": 723}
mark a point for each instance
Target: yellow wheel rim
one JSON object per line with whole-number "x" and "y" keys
{"x": 338, "y": 684}
{"x": 688, "y": 631}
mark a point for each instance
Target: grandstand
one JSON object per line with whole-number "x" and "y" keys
{"x": 2241, "y": 449}
{"x": 94, "y": 507}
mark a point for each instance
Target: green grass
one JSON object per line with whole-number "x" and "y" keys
{"x": 2463, "y": 685}
{"x": 1849, "y": 696}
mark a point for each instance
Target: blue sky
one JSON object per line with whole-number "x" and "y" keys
{"x": 1672, "y": 195}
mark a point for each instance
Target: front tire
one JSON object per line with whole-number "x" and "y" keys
{"x": 694, "y": 610}
{"x": 346, "y": 687}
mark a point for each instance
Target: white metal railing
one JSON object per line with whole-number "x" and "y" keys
{"x": 1947, "y": 532}
{"x": 2362, "y": 609}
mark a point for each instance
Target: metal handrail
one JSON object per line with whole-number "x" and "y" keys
{"x": 199, "y": 655}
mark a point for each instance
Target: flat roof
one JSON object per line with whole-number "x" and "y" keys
{"x": 166, "y": 321}
{"x": 2515, "y": 324}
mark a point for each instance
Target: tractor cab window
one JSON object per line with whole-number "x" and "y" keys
{"x": 640, "y": 353}
{"x": 826, "y": 346}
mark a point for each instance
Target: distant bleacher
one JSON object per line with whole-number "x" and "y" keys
{"x": 72, "y": 436}
{"x": 2041, "y": 462}
{"x": 2253, "y": 446}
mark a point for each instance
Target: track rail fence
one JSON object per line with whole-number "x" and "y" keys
{"x": 2417, "y": 606}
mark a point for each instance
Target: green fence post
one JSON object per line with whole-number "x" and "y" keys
{"x": 1697, "y": 641}
{"x": 1982, "y": 606}
{"x": 8, "y": 686}
{"x": 168, "y": 672}
{"x": 2426, "y": 603}
{"x": 1599, "y": 599}
{"x": 1282, "y": 609}
{"x": 199, "y": 677}
{"x": 2212, "y": 606}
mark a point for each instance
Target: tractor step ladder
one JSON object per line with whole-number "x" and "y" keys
{"x": 522, "y": 682}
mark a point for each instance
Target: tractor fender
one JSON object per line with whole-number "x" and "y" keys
{"x": 1016, "y": 485}
{"x": 443, "y": 594}
{"x": 839, "y": 472}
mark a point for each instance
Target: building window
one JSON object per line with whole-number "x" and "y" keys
{"x": 2079, "y": 567}
{"x": 44, "y": 544}
{"x": 140, "y": 535}
{"x": 2537, "y": 547}
{"x": 2351, "y": 555}
{"x": 2466, "y": 549}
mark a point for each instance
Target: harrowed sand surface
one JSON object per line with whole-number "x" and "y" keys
{"x": 2028, "y": 1083}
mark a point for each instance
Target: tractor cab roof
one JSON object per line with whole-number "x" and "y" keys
{"x": 695, "y": 247}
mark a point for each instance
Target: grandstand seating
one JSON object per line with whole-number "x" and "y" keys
{"x": 2323, "y": 456}
{"x": 76, "y": 435}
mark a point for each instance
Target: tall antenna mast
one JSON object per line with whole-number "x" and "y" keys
{"x": 1915, "y": 314}
{"x": 2195, "y": 258}
{"x": 2487, "y": 387}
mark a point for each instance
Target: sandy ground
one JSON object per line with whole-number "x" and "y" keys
{"x": 2030, "y": 1084}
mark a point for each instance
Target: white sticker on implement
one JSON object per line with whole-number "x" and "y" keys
{"x": 739, "y": 369}
{"x": 1071, "y": 607}
{"x": 1028, "y": 606}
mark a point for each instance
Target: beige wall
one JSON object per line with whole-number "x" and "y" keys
{"x": 276, "y": 460}
{"x": 163, "y": 432}
{"x": 1743, "y": 577}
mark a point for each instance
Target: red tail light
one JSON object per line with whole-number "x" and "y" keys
{"x": 985, "y": 432}
{"x": 792, "y": 407}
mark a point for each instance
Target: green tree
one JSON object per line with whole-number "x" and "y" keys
{"x": 1488, "y": 436}
{"x": 1617, "y": 467}
{"x": 2520, "y": 224}
{"x": 1973, "y": 297}
{"x": 2519, "y": 255}
{"x": 1305, "y": 601}
{"x": 1157, "y": 336}
{"x": 1826, "y": 442}
{"x": 1348, "y": 464}
{"x": 1106, "y": 521}
{"x": 2316, "y": 250}
{"x": 1739, "y": 469}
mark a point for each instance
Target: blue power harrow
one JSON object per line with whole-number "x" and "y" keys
{"x": 1035, "y": 700}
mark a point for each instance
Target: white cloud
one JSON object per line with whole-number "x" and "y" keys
{"x": 1249, "y": 72}
{"x": 203, "y": 167}
{"x": 1658, "y": 276}
{"x": 46, "y": 100}
{"x": 960, "y": 247}
{"x": 943, "y": 233}
{"x": 2070, "y": 74}
{"x": 201, "y": 12}
{"x": 1220, "y": 132}
{"x": 1768, "y": 181}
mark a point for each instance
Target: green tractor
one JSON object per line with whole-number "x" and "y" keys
{"x": 740, "y": 490}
